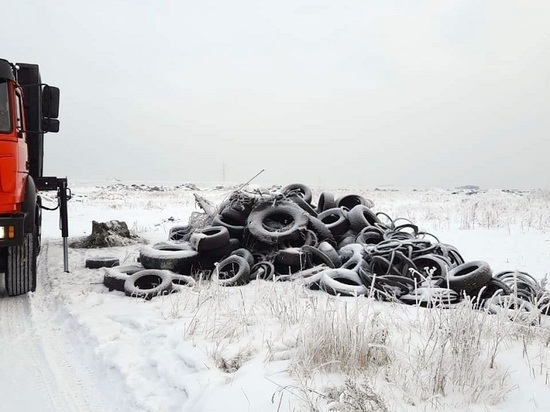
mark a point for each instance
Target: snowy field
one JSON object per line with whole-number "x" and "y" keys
{"x": 74, "y": 346}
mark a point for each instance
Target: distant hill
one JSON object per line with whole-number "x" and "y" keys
{"x": 468, "y": 187}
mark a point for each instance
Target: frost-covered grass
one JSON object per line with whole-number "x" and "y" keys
{"x": 279, "y": 347}
{"x": 394, "y": 356}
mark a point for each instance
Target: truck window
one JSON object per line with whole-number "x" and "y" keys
{"x": 5, "y": 123}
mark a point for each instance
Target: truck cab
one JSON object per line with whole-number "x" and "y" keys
{"x": 28, "y": 109}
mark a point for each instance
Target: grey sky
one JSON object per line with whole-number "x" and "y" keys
{"x": 424, "y": 93}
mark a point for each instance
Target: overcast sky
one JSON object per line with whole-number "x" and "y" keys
{"x": 349, "y": 93}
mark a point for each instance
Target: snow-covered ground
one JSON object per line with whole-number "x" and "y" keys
{"x": 74, "y": 346}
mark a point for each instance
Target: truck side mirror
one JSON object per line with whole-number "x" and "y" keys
{"x": 50, "y": 102}
{"x": 50, "y": 125}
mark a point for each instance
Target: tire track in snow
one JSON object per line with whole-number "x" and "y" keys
{"x": 38, "y": 372}
{"x": 24, "y": 379}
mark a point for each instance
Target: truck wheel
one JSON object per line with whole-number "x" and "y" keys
{"x": 21, "y": 266}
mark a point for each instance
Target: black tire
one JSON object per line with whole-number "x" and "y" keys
{"x": 233, "y": 216}
{"x": 409, "y": 228}
{"x": 177, "y": 257}
{"x": 284, "y": 271}
{"x": 321, "y": 230}
{"x": 422, "y": 247}
{"x": 21, "y": 260}
{"x": 114, "y": 278}
{"x": 430, "y": 297}
{"x": 326, "y": 202}
{"x": 387, "y": 247}
{"x": 316, "y": 257}
{"x": 262, "y": 270}
{"x": 381, "y": 266}
{"x": 399, "y": 285}
{"x": 494, "y": 287}
{"x": 38, "y": 224}
{"x": 232, "y": 271}
{"x": 20, "y": 271}
{"x": 276, "y": 224}
{"x": 209, "y": 259}
{"x": 291, "y": 257}
{"x": 451, "y": 253}
{"x": 342, "y": 282}
{"x": 335, "y": 220}
{"x": 237, "y": 208}
{"x": 97, "y": 262}
{"x": 331, "y": 253}
{"x": 361, "y": 216}
{"x": 434, "y": 263}
{"x": 521, "y": 284}
{"x": 234, "y": 228}
{"x": 183, "y": 280}
{"x": 148, "y": 283}
{"x": 209, "y": 238}
{"x": 352, "y": 257}
{"x": 346, "y": 239}
{"x": 298, "y": 189}
{"x": 350, "y": 201}
{"x": 370, "y": 235}
{"x": 303, "y": 204}
{"x": 470, "y": 276}
{"x": 397, "y": 235}
{"x": 245, "y": 254}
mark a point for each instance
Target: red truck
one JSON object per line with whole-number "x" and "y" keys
{"x": 28, "y": 109}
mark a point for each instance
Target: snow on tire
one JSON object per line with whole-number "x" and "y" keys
{"x": 515, "y": 308}
{"x": 351, "y": 201}
{"x": 262, "y": 270}
{"x": 342, "y": 282}
{"x": 326, "y": 201}
{"x": 430, "y": 297}
{"x": 335, "y": 220}
{"x": 275, "y": 224}
{"x": 232, "y": 271}
{"x": 148, "y": 283}
{"x": 469, "y": 276}
{"x": 101, "y": 262}
{"x": 361, "y": 216}
{"x": 210, "y": 238}
{"x": 177, "y": 257}
{"x": 114, "y": 278}
{"x": 298, "y": 189}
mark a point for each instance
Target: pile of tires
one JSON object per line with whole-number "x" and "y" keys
{"x": 340, "y": 246}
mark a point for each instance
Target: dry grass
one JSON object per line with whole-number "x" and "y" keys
{"x": 380, "y": 355}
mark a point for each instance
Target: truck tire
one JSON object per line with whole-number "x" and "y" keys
{"x": 38, "y": 224}
{"x": 21, "y": 266}
{"x": 21, "y": 260}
